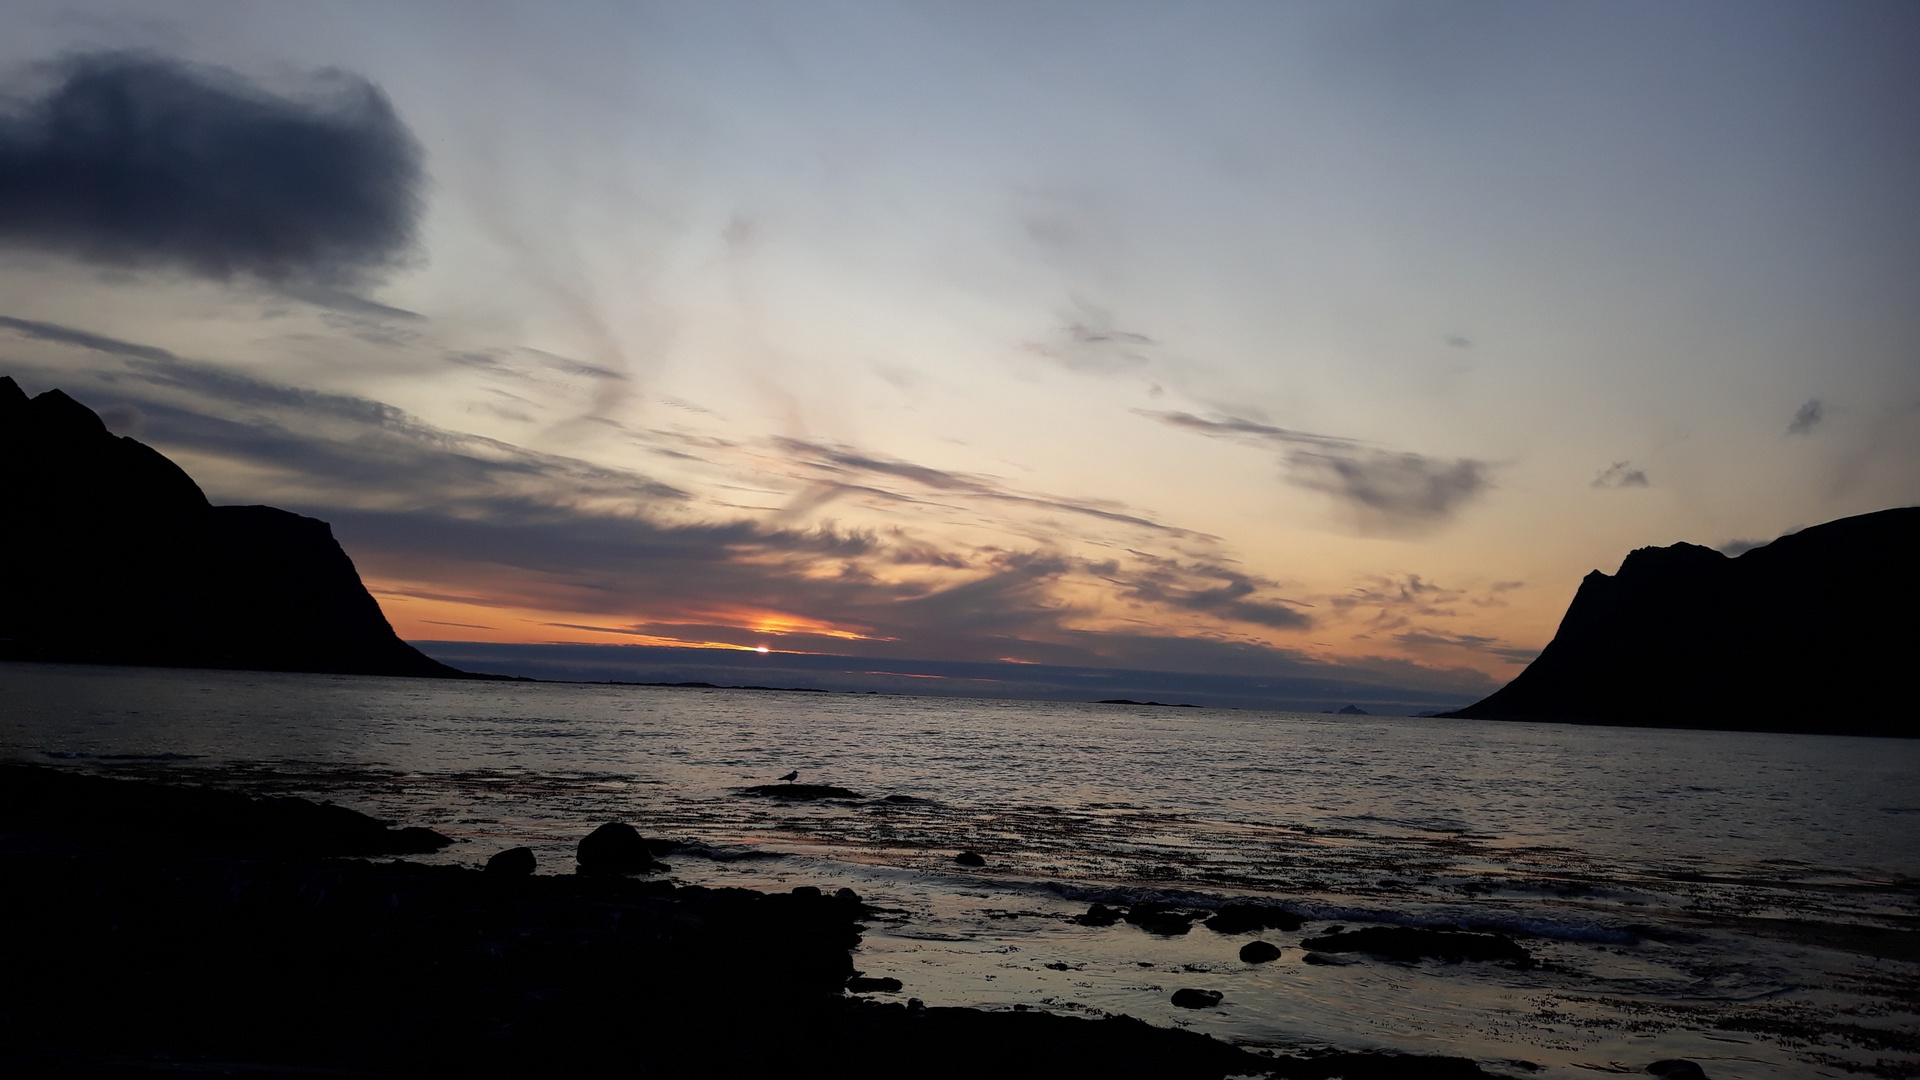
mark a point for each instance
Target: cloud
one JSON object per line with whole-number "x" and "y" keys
{"x": 81, "y": 339}
{"x": 1397, "y": 598}
{"x": 1807, "y": 417}
{"x": 1214, "y": 589}
{"x": 1090, "y": 342}
{"x": 475, "y": 532}
{"x": 1387, "y": 492}
{"x": 131, "y": 159}
{"x": 842, "y": 461}
{"x": 1620, "y": 474}
{"x": 1428, "y": 638}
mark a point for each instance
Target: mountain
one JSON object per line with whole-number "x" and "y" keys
{"x": 1817, "y": 632}
{"x": 112, "y": 554}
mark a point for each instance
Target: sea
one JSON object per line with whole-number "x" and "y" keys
{"x": 1747, "y": 901}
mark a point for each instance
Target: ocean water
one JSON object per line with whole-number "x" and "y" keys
{"x": 1748, "y": 901}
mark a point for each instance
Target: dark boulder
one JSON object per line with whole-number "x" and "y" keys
{"x": 1197, "y": 999}
{"x": 1411, "y": 943}
{"x": 970, "y": 858}
{"x": 1245, "y": 918}
{"x": 1099, "y": 915}
{"x": 513, "y": 862}
{"x": 615, "y": 848}
{"x": 1677, "y": 1069}
{"x": 1158, "y": 918}
{"x": 863, "y": 985}
{"x": 1259, "y": 952}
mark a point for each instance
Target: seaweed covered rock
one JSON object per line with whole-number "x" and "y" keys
{"x": 616, "y": 848}
{"x": 1259, "y": 952}
{"x": 803, "y": 792}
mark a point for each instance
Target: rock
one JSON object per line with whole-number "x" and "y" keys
{"x": 1677, "y": 1069}
{"x": 614, "y": 848}
{"x": 803, "y": 792}
{"x": 970, "y": 858}
{"x": 513, "y": 862}
{"x": 847, "y": 896}
{"x": 807, "y": 892}
{"x": 861, "y": 985}
{"x": 1197, "y": 999}
{"x": 1242, "y": 918}
{"x": 1353, "y": 710}
{"x": 1414, "y": 943}
{"x": 1259, "y": 952}
{"x": 416, "y": 840}
{"x": 1099, "y": 915}
{"x": 1159, "y": 918}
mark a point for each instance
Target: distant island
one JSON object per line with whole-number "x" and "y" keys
{"x": 1815, "y": 632}
{"x": 113, "y": 555}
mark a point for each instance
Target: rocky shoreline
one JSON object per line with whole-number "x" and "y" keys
{"x": 166, "y": 930}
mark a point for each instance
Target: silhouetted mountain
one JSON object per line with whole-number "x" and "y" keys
{"x": 112, "y": 554}
{"x": 1815, "y": 632}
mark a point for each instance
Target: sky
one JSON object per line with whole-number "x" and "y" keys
{"x": 1319, "y": 341}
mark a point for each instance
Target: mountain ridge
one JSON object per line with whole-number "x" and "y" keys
{"x": 115, "y": 555}
{"x": 1810, "y": 633}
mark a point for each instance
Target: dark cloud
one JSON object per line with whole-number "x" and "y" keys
{"x": 81, "y": 339}
{"x": 1807, "y": 417}
{"x": 122, "y": 419}
{"x": 130, "y": 159}
{"x": 1620, "y": 474}
{"x": 1387, "y": 492}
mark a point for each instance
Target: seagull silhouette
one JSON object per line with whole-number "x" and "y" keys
{"x": 794, "y": 775}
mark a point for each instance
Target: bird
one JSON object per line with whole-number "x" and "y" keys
{"x": 794, "y": 775}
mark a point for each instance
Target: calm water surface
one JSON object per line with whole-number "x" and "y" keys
{"x": 1748, "y": 901}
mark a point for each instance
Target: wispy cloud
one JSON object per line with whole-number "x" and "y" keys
{"x": 1386, "y": 492}
{"x": 1428, "y": 638}
{"x": 1216, "y": 590}
{"x": 483, "y": 535}
{"x": 1620, "y": 474}
{"x": 840, "y": 465}
{"x": 1090, "y": 341}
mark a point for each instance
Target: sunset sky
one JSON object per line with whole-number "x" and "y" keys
{"x": 1338, "y": 339}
